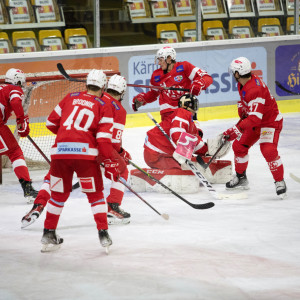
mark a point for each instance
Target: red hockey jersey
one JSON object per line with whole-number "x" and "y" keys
{"x": 11, "y": 97}
{"x": 257, "y": 106}
{"x": 82, "y": 123}
{"x": 179, "y": 121}
{"x": 119, "y": 114}
{"x": 181, "y": 76}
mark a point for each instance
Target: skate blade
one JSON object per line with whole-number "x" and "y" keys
{"x": 282, "y": 196}
{"x": 50, "y": 247}
{"x": 26, "y": 223}
{"x": 115, "y": 221}
{"x": 107, "y": 250}
{"x": 29, "y": 199}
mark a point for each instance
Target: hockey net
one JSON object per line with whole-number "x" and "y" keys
{"x": 42, "y": 93}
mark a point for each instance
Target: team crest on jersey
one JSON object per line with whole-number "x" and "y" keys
{"x": 115, "y": 105}
{"x": 75, "y": 94}
{"x": 178, "y": 78}
{"x": 179, "y": 68}
{"x": 157, "y": 78}
{"x": 257, "y": 82}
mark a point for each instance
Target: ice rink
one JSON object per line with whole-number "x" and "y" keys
{"x": 239, "y": 249}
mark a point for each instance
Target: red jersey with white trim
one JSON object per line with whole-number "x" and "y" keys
{"x": 181, "y": 76}
{"x": 11, "y": 97}
{"x": 257, "y": 106}
{"x": 119, "y": 113}
{"x": 82, "y": 122}
{"x": 181, "y": 120}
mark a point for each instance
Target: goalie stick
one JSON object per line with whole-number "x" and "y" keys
{"x": 297, "y": 179}
{"x": 75, "y": 186}
{"x": 197, "y": 173}
{"x": 123, "y": 181}
{"x": 63, "y": 72}
{"x": 285, "y": 89}
{"x": 196, "y": 206}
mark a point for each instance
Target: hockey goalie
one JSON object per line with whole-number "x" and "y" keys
{"x": 168, "y": 164}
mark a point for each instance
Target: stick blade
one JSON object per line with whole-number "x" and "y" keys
{"x": 203, "y": 205}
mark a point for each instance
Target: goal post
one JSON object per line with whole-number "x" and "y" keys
{"x": 42, "y": 93}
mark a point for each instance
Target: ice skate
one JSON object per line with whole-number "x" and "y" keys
{"x": 116, "y": 215}
{"x": 281, "y": 189}
{"x": 30, "y": 218}
{"x": 239, "y": 181}
{"x": 50, "y": 240}
{"x": 105, "y": 239}
{"x": 29, "y": 192}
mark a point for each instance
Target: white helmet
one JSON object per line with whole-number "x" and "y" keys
{"x": 165, "y": 52}
{"x": 15, "y": 76}
{"x": 117, "y": 83}
{"x": 241, "y": 65}
{"x": 97, "y": 78}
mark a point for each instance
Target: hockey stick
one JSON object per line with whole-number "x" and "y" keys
{"x": 197, "y": 173}
{"x": 285, "y": 89}
{"x": 123, "y": 181}
{"x": 63, "y": 72}
{"x": 75, "y": 186}
{"x": 297, "y": 179}
{"x": 196, "y": 206}
{"x": 206, "y": 165}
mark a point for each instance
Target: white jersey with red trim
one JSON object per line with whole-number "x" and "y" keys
{"x": 119, "y": 113}
{"x": 257, "y": 106}
{"x": 11, "y": 97}
{"x": 181, "y": 76}
{"x": 81, "y": 121}
{"x": 181, "y": 120}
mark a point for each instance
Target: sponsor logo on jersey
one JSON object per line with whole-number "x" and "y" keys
{"x": 257, "y": 82}
{"x": 73, "y": 148}
{"x": 83, "y": 103}
{"x": 157, "y": 78}
{"x": 75, "y": 94}
{"x": 115, "y": 105}
{"x": 178, "y": 78}
{"x": 243, "y": 94}
{"x": 99, "y": 100}
{"x": 179, "y": 68}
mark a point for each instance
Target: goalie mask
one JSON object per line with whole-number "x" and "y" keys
{"x": 117, "y": 83}
{"x": 241, "y": 65}
{"x": 16, "y": 77}
{"x": 97, "y": 78}
{"x": 189, "y": 102}
{"x": 164, "y": 53}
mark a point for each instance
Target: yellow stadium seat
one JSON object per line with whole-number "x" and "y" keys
{"x": 5, "y": 44}
{"x": 269, "y": 27}
{"x": 20, "y": 11}
{"x": 290, "y": 25}
{"x": 167, "y": 33}
{"x": 239, "y": 29}
{"x": 214, "y": 30}
{"x": 188, "y": 31}
{"x": 77, "y": 38}
{"x": 46, "y": 11}
{"x": 25, "y": 41}
{"x": 51, "y": 40}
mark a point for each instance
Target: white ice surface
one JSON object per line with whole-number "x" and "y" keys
{"x": 239, "y": 249}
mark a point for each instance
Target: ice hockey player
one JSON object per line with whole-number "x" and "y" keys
{"x": 159, "y": 152}
{"x": 83, "y": 124}
{"x": 172, "y": 74}
{"x": 260, "y": 120}
{"x": 11, "y": 97}
{"x": 116, "y": 89}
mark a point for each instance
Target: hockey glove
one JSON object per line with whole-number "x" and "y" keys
{"x": 111, "y": 169}
{"x": 126, "y": 156}
{"x": 197, "y": 86}
{"x": 233, "y": 133}
{"x": 23, "y": 126}
{"x": 138, "y": 101}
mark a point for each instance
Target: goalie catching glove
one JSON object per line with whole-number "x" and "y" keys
{"x": 23, "y": 126}
{"x": 111, "y": 169}
{"x": 214, "y": 144}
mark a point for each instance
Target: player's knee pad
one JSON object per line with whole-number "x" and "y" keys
{"x": 269, "y": 151}
{"x": 15, "y": 154}
{"x": 239, "y": 149}
{"x": 94, "y": 197}
{"x": 59, "y": 197}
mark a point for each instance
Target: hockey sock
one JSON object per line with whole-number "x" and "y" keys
{"x": 54, "y": 210}
{"x": 276, "y": 168}
{"x": 241, "y": 163}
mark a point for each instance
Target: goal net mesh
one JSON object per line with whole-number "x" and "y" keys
{"x": 43, "y": 92}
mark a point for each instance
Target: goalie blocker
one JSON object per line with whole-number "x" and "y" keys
{"x": 181, "y": 181}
